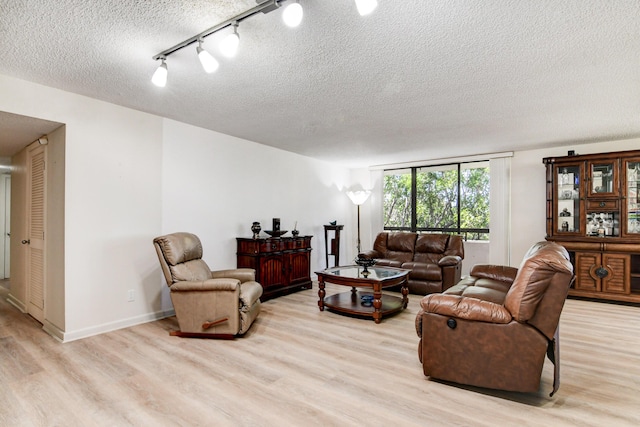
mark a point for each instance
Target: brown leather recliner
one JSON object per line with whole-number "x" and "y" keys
{"x": 208, "y": 304}
{"x": 494, "y": 327}
{"x": 435, "y": 260}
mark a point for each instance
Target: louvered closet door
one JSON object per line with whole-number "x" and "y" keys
{"x": 35, "y": 260}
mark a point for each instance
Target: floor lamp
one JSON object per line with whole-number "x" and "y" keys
{"x": 358, "y": 198}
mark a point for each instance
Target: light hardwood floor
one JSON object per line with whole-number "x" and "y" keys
{"x": 298, "y": 366}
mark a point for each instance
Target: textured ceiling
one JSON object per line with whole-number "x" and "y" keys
{"x": 415, "y": 80}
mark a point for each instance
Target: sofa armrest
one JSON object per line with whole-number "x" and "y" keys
{"x": 206, "y": 285}
{"x": 449, "y": 260}
{"x": 241, "y": 274}
{"x": 496, "y": 272}
{"x": 465, "y": 308}
{"x": 371, "y": 254}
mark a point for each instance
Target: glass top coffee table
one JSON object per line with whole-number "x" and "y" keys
{"x": 366, "y": 298}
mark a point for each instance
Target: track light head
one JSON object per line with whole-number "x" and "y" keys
{"x": 229, "y": 45}
{"x": 365, "y": 7}
{"x": 208, "y": 62}
{"x": 292, "y": 14}
{"x": 160, "y": 76}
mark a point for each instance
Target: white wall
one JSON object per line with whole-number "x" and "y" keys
{"x": 112, "y": 208}
{"x": 216, "y": 185}
{"x": 130, "y": 176}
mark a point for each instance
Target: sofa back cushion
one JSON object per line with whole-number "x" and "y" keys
{"x": 397, "y": 246}
{"x": 432, "y": 247}
{"x": 540, "y": 287}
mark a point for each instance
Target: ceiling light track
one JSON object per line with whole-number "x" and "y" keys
{"x": 266, "y": 7}
{"x": 292, "y": 16}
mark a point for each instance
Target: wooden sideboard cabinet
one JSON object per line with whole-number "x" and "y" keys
{"x": 283, "y": 265}
{"x": 593, "y": 210}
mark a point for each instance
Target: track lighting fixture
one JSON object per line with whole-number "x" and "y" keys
{"x": 208, "y": 62}
{"x": 292, "y": 14}
{"x": 160, "y": 76}
{"x": 365, "y": 7}
{"x": 229, "y": 45}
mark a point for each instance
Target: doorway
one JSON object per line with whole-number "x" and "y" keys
{"x": 5, "y": 225}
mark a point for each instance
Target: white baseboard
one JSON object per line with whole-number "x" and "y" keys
{"x": 107, "y": 327}
{"x": 17, "y": 303}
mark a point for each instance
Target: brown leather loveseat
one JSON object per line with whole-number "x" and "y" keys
{"x": 494, "y": 328}
{"x": 435, "y": 260}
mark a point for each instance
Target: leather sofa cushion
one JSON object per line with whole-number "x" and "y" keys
{"x": 481, "y": 288}
{"x": 401, "y": 242}
{"x": 423, "y": 271}
{"x": 431, "y": 243}
{"x": 389, "y": 263}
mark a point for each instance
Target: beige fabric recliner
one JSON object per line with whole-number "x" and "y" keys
{"x": 208, "y": 304}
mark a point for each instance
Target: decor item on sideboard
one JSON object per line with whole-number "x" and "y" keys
{"x": 276, "y": 233}
{"x": 255, "y": 228}
{"x": 276, "y": 224}
{"x": 295, "y": 231}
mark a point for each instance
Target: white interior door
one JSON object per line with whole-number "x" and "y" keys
{"x": 36, "y": 233}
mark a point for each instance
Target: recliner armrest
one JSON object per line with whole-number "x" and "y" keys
{"x": 465, "y": 308}
{"x": 206, "y": 285}
{"x": 370, "y": 254}
{"x": 449, "y": 260}
{"x": 250, "y": 292}
{"x": 241, "y": 274}
{"x": 496, "y": 272}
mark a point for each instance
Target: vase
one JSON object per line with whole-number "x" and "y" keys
{"x": 255, "y": 227}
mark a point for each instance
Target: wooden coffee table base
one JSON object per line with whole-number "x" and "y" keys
{"x": 363, "y": 283}
{"x": 352, "y": 304}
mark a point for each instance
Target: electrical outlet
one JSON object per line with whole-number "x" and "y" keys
{"x": 131, "y": 295}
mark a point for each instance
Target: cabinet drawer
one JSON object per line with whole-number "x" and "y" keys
{"x": 271, "y": 245}
{"x": 296, "y": 243}
{"x": 602, "y": 204}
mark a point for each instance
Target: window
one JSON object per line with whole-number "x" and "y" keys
{"x": 452, "y": 198}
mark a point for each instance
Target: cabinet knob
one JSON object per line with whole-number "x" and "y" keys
{"x": 601, "y": 272}
{"x": 603, "y": 204}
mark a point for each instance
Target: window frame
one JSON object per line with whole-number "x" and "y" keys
{"x": 413, "y": 170}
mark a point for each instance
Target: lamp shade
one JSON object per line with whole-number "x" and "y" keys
{"x": 365, "y": 7}
{"x": 358, "y": 197}
{"x": 292, "y": 15}
{"x": 160, "y": 76}
{"x": 229, "y": 45}
{"x": 209, "y": 63}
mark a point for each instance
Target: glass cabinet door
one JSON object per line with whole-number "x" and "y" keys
{"x": 631, "y": 208}
{"x": 567, "y": 215}
{"x": 603, "y": 178}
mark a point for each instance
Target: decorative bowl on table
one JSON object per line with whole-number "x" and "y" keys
{"x": 365, "y": 262}
{"x": 276, "y": 233}
{"x": 367, "y": 300}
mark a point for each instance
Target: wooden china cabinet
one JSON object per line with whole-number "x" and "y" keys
{"x": 593, "y": 210}
{"x": 283, "y": 264}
